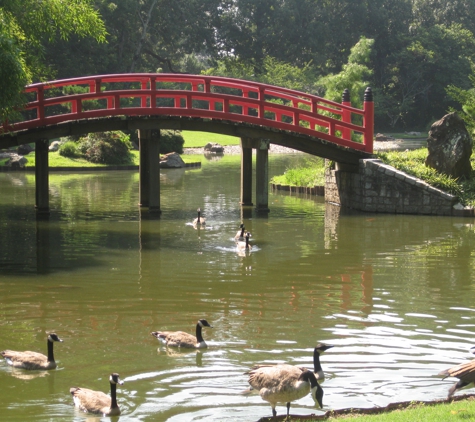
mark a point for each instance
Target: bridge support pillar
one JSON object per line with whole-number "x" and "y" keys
{"x": 42, "y": 177}
{"x": 246, "y": 172}
{"x": 149, "y": 170}
{"x": 262, "y": 176}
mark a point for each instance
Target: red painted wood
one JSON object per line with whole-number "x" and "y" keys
{"x": 195, "y": 96}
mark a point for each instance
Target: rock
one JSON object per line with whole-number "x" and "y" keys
{"x": 24, "y": 149}
{"x": 450, "y": 147}
{"x": 383, "y": 138}
{"x": 54, "y": 146}
{"x": 16, "y": 161}
{"x": 171, "y": 160}
{"x": 213, "y": 147}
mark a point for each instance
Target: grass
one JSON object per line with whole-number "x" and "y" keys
{"x": 460, "y": 410}
{"x": 412, "y": 162}
{"x": 200, "y": 139}
{"x": 308, "y": 174}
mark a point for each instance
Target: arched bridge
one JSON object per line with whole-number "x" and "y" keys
{"x": 148, "y": 102}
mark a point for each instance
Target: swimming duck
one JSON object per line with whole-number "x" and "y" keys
{"x": 182, "y": 339}
{"x": 33, "y": 360}
{"x": 96, "y": 401}
{"x": 283, "y": 384}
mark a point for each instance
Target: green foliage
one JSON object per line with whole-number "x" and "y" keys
{"x": 69, "y": 149}
{"x": 106, "y": 148}
{"x": 413, "y": 162}
{"x": 171, "y": 141}
{"x": 309, "y": 174}
{"x": 353, "y": 76}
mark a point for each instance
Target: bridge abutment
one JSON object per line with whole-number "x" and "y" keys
{"x": 246, "y": 172}
{"x": 373, "y": 186}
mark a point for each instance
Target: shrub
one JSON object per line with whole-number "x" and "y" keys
{"x": 106, "y": 148}
{"x": 69, "y": 149}
{"x": 171, "y": 141}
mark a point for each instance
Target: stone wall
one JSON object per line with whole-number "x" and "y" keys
{"x": 377, "y": 187}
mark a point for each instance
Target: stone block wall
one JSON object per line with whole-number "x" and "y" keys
{"x": 378, "y": 187}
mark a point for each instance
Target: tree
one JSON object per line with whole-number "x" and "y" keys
{"x": 27, "y": 26}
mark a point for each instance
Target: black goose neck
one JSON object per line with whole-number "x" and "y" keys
{"x": 199, "y": 336}
{"x": 113, "y": 396}
{"x": 50, "y": 351}
{"x": 316, "y": 361}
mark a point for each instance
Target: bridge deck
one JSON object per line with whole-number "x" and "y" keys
{"x": 286, "y": 117}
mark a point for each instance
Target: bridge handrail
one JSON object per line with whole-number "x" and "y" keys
{"x": 202, "y": 96}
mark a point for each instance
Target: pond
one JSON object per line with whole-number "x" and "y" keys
{"x": 392, "y": 293}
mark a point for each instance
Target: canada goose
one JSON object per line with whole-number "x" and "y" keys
{"x": 465, "y": 372}
{"x": 33, "y": 360}
{"x": 182, "y": 339}
{"x": 240, "y": 233}
{"x": 244, "y": 245}
{"x": 317, "y": 367}
{"x": 96, "y": 401}
{"x": 283, "y": 384}
{"x": 199, "y": 220}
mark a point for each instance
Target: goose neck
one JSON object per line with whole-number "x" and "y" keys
{"x": 50, "y": 351}
{"x": 113, "y": 396}
{"x": 317, "y": 367}
{"x": 199, "y": 336}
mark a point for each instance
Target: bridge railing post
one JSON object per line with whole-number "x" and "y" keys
{"x": 346, "y": 114}
{"x": 368, "y": 119}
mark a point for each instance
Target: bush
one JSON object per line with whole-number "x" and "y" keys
{"x": 69, "y": 149}
{"x": 171, "y": 141}
{"x": 106, "y": 148}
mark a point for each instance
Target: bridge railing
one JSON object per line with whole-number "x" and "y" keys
{"x": 197, "y": 96}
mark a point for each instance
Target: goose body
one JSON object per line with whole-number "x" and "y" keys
{"x": 33, "y": 360}
{"x": 283, "y": 384}
{"x": 240, "y": 235}
{"x": 199, "y": 221}
{"x": 465, "y": 372}
{"x": 243, "y": 245}
{"x": 182, "y": 339}
{"x": 91, "y": 401}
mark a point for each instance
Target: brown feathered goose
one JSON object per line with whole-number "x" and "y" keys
{"x": 240, "y": 235}
{"x": 465, "y": 372}
{"x": 33, "y": 360}
{"x": 91, "y": 401}
{"x": 182, "y": 339}
{"x": 199, "y": 221}
{"x": 283, "y": 384}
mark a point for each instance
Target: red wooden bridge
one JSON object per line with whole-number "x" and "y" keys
{"x": 257, "y": 113}
{"x": 204, "y": 98}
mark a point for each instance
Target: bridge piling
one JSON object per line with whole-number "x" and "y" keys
{"x": 149, "y": 170}
{"x": 262, "y": 176}
{"x": 246, "y": 172}
{"x": 42, "y": 177}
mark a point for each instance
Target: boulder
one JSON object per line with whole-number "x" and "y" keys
{"x": 24, "y": 149}
{"x": 450, "y": 147}
{"x": 54, "y": 146}
{"x": 214, "y": 148}
{"x": 16, "y": 161}
{"x": 383, "y": 138}
{"x": 171, "y": 160}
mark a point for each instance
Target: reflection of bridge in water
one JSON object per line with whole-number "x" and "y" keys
{"x": 257, "y": 113}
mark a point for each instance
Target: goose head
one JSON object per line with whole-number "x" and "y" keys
{"x": 115, "y": 379}
{"x": 204, "y": 323}
{"x": 52, "y": 337}
{"x": 322, "y": 347}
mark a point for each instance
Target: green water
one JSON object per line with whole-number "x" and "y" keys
{"x": 393, "y": 293}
